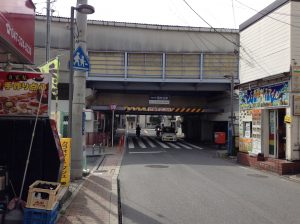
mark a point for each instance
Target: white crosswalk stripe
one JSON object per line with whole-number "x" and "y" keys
{"x": 173, "y": 145}
{"x": 152, "y": 142}
{"x": 184, "y": 146}
{"x": 162, "y": 144}
{"x": 193, "y": 146}
{"x": 149, "y": 142}
{"x": 141, "y": 144}
{"x": 130, "y": 143}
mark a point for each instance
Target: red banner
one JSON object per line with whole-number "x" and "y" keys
{"x": 17, "y": 28}
{"x": 20, "y": 93}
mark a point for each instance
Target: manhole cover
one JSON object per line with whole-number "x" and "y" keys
{"x": 157, "y": 166}
{"x": 257, "y": 175}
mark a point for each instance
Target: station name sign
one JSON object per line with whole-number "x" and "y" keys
{"x": 162, "y": 100}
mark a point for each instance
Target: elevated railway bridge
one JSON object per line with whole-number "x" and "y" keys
{"x": 152, "y": 70}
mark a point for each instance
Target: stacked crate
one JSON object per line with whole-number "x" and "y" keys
{"x": 42, "y": 203}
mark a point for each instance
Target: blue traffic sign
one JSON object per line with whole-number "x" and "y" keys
{"x": 80, "y": 60}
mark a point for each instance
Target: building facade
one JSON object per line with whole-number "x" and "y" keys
{"x": 269, "y": 90}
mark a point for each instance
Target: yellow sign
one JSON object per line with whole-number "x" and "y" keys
{"x": 287, "y": 119}
{"x": 66, "y": 148}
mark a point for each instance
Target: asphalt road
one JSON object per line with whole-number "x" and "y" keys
{"x": 190, "y": 186}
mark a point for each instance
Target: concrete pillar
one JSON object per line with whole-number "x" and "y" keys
{"x": 78, "y": 100}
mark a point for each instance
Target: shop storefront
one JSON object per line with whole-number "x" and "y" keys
{"x": 268, "y": 127}
{"x": 262, "y": 128}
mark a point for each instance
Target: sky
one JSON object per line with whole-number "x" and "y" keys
{"x": 216, "y": 13}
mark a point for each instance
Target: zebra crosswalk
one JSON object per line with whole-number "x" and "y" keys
{"x": 149, "y": 142}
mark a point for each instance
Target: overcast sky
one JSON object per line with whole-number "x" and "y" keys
{"x": 218, "y": 13}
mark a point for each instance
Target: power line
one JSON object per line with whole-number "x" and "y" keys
{"x": 278, "y": 13}
{"x": 233, "y": 13}
{"x": 226, "y": 38}
{"x": 265, "y": 14}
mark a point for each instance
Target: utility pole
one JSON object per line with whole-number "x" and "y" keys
{"x": 48, "y": 31}
{"x": 78, "y": 103}
{"x": 231, "y": 138}
{"x": 232, "y": 114}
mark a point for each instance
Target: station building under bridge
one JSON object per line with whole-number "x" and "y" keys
{"x": 151, "y": 70}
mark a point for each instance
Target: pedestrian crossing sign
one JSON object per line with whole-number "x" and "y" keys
{"x": 80, "y": 60}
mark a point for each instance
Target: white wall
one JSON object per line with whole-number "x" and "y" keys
{"x": 295, "y": 32}
{"x": 265, "y": 46}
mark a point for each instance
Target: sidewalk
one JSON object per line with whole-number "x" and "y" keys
{"x": 94, "y": 199}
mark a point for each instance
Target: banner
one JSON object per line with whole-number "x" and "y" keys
{"x": 20, "y": 93}
{"x": 52, "y": 67}
{"x": 265, "y": 97}
{"x": 66, "y": 148}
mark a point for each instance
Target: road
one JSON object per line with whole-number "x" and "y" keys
{"x": 190, "y": 185}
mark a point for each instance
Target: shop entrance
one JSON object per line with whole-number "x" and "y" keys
{"x": 277, "y": 133}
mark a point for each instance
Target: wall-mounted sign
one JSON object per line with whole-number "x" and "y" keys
{"x": 287, "y": 119}
{"x": 295, "y": 79}
{"x": 17, "y": 28}
{"x": 66, "y": 148}
{"x": 296, "y": 102}
{"x": 113, "y": 106}
{"x": 163, "y": 100}
{"x": 265, "y": 97}
{"x": 20, "y": 93}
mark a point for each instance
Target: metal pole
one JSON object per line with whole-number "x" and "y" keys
{"x": 71, "y": 72}
{"x": 112, "y": 128}
{"x": 78, "y": 102}
{"x": 231, "y": 114}
{"x": 48, "y": 32}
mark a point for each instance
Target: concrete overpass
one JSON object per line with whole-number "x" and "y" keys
{"x": 130, "y": 63}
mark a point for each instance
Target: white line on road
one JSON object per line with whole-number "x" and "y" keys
{"x": 149, "y": 142}
{"x": 194, "y": 146}
{"x": 143, "y": 152}
{"x": 130, "y": 143}
{"x": 173, "y": 145}
{"x": 162, "y": 144}
{"x": 141, "y": 144}
{"x": 184, "y": 146}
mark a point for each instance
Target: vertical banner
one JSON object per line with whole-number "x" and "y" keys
{"x": 52, "y": 68}
{"x": 66, "y": 148}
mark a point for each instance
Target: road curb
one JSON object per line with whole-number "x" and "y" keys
{"x": 115, "y": 199}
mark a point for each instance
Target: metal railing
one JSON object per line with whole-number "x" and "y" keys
{"x": 138, "y": 65}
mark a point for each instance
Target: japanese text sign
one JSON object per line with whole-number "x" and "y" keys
{"x": 20, "y": 94}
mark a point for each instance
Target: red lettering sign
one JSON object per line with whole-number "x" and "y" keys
{"x": 17, "y": 28}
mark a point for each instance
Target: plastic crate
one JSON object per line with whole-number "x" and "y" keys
{"x": 40, "y": 216}
{"x": 42, "y": 198}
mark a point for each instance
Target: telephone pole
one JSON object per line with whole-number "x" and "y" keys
{"x": 79, "y": 80}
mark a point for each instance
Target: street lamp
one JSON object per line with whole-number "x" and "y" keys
{"x": 231, "y": 126}
{"x": 84, "y": 9}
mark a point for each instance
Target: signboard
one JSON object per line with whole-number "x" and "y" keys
{"x": 20, "y": 93}
{"x": 164, "y": 100}
{"x": 296, "y": 108}
{"x": 265, "y": 97}
{"x": 113, "y": 107}
{"x": 80, "y": 60}
{"x": 17, "y": 28}
{"x": 287, "y": 119}
{"x": 295, "y": 79}
{"x": 66, "y": 148}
